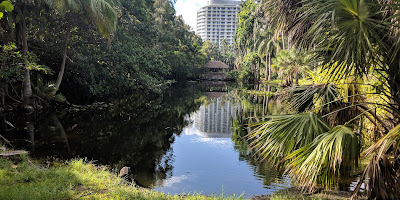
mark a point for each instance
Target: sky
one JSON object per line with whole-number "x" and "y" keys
{"x": 188, "y": 9}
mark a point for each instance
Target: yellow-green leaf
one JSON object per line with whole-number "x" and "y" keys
{"x": 7, "y": 6}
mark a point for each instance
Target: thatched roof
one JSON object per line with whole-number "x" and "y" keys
{"x": 217, "y": 65}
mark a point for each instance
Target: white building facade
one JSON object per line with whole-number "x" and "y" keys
{"x": 217, "y": 21}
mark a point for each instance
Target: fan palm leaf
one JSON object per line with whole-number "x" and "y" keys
{"x": 348, "y": 34}
{"x": 382, "y": 174}
{"x": 332, "y": 154}
{"x": 303, "y": 97}
{"x": 282, "y": 134}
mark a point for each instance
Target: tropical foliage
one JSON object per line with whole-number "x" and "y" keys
{"x": 347, "y": 52}
{"x": 93, "y": 50}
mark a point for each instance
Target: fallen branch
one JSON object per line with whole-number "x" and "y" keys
{"x": 12, "y": 153}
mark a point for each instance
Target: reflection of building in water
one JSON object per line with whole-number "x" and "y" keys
{"x": 214, "y": 119}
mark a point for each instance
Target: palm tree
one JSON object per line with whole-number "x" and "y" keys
{"x": 291, "y": 63}
{"x": 355, "y": 42}
{"x": 20, "y": 8}
{"x": 100, "y": 12}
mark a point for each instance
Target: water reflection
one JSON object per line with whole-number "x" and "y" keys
{"x": 179, "y": 142}
{"x": 206, "y": 157}
{"x": 213, "y": 120}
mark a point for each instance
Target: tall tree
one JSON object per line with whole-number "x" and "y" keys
{"x": 100, "y": 12}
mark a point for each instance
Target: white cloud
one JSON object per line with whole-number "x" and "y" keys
{"x": 174, "y": 180}
{"x": 188, "y": 9}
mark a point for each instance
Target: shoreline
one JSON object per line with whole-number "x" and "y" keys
{"x": 80, "y": 179}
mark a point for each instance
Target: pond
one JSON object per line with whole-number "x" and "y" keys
{"x": 181, "y": 142}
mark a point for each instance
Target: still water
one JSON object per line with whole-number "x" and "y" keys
{"x": 179, "y": 143}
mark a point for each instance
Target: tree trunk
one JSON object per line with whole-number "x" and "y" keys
{"x": 266, "y": 66}
{"x": 283, "y": 40}
{"x": 27, "y": 86}
{"x": 269, "y": 72}
{"x": 64, "y": 61}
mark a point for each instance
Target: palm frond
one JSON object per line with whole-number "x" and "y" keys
{"x": 347, "y": 33}
{"x": 104, "y": 15}
{"x": 332, "y": 154}
{"x": 282, "y": 134}
{"x": 380, "y": 178}
{"x": 303, "y": 97}
{"x": 389, "y": 141}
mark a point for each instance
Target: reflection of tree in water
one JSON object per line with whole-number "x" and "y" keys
{"x": 137, "y": 132}
{"x": 252, "y": 109}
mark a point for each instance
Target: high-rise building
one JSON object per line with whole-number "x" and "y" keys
{"x": 217, "y": 20}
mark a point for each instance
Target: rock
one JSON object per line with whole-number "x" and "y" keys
{"x": 124, "y": 173}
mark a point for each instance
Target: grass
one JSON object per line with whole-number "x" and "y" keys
{"x": 285, "y": 195}
{"x": 76, "y": 179}
{"x": 21, "y": 179}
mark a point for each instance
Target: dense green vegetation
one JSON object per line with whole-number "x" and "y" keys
{"x": 338, "y": 68}
{"x": 223, "y": 53}
{"x": 93, "y": 50}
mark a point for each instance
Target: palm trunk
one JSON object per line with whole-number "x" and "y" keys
{"x": 27, "y": 86}
{"x": 64, "y": 61}
{"x": 269, "y": 72}
{"x": 266, "y": 66}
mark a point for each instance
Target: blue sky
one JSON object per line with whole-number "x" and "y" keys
{"x": 188, "y": 9}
